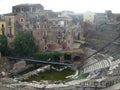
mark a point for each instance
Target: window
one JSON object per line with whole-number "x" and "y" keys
{"x": 59, "y": 34}
{"x": 21, "y": 20}
{"x": 68, "y": 41}
{"x": 9, "y": 19}
{"x": 38, "y": 33}
{"x": 3, "y": 29}
{"x": 9, "y": 22}
{"x": 45, "y": 48}
{"x": 22, "y": 9}
{"x": 45, "y": 41}
{"x": 10, "y": 31}
{"x": 33, "y": 9}
{"x": 45, "y": 33}
{"x": 59, "y": 41}
{"x": 2, "y": 25}
{"x": 69, "y": 32}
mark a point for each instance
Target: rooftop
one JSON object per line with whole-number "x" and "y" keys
{"x": 26, "y": 5}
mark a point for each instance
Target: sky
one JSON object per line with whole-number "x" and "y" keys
{"x": 78, "y": 6}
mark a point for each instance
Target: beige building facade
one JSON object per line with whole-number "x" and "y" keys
{"x": 10, "y": 28}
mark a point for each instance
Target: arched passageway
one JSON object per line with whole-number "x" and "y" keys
{"x": 67, "y": 57}
{"x": 76, "y": 58}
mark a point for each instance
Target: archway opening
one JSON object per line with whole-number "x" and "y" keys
{"x": 67, "y": 57}
{"x": 77, "y": 58}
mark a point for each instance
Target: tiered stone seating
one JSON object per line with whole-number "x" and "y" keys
{"x": 93, "y": 64}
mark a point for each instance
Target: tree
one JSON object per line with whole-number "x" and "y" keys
{"x": 24, "y": 43}
{"x": 3, "y": 45}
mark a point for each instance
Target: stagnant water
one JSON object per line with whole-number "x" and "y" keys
{"x": 51, "y": 75}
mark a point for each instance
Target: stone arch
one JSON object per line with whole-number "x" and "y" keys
{"x": 67, "y": 57}
{"x": 78, "y": 58}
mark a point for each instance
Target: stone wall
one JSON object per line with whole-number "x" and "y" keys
{"x": 34, "y": 72}
{"x": 19, "y": 66}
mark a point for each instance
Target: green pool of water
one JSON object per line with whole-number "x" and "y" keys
{"x": 51, "y": 75}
